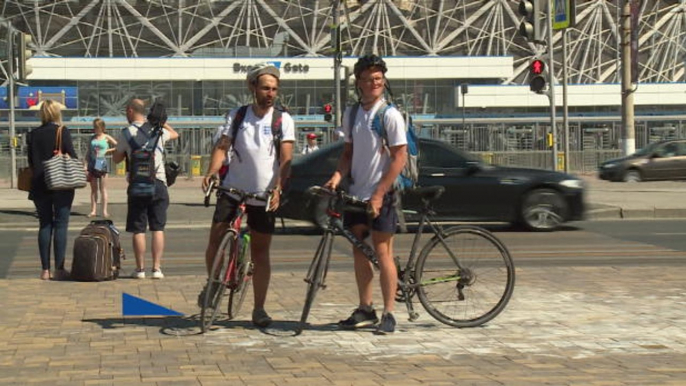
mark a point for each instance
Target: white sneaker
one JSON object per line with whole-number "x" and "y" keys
{"x": 157, "y": 274}
{"x": 136, "y": 274}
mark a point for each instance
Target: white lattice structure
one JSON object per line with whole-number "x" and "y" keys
{"x": 300, "y": 28}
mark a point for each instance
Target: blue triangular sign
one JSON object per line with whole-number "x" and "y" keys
{"x": 134, "y": 306}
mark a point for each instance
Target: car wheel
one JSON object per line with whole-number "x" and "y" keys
{"x": 632, "y": 176}
{"x": 543, "y": 210}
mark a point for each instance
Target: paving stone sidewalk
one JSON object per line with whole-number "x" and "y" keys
{"x": 563, "y": 326}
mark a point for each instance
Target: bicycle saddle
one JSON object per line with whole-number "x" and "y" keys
{"x": 429, "y": 193}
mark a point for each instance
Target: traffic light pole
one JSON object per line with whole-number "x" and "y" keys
{"x": 551, "y": 80}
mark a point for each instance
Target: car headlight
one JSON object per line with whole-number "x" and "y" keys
{"x": 608, "y": 166}
{"x": 573, "y": 184}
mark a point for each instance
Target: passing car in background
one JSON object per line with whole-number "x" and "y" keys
{"x": 664, "y": 160}
{"x": 474, "y": 191}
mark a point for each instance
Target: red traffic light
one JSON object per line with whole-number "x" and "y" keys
{"x": 537, "y": 67}
{"x": 328, "y": 108}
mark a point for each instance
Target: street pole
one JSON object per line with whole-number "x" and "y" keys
{"x": 10, "y": 85}
{"x": 337, "y": 60}
{"x": 628, "y": 130}
{"x": 551, "y": 74}
{"x": 565, "y": 110}
{"x": 463, "y": 90}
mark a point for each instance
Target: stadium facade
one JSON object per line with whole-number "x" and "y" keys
{"x": 193, "y": 54}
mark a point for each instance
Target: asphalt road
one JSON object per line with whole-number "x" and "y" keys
{"x": 623, "y": 242}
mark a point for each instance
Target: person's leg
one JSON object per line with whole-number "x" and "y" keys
{"x": 139, "y": 250}
{"x": 261, "y": 225}
{"x": 94, "y": 196}
{"x": 216, "y": 233}
{"x": 157, "y": 220}
{"x": 364, "y": 270}
{"x": 259, "y": 250}
{"x": 388, "y": 273}
{"x": 103, "y": 195}
{"x": 43, "y": 203}
{"x": 224, "y": 211}
{"x": 157, "y": 249}
{"x": 62, "y": 207}
{"x": 136, "y": 222}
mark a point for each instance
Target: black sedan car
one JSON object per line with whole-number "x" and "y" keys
{"x": 474, "y": 191}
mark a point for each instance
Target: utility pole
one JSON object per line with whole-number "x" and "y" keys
{"x": 628, "y": 144}
{"x": 10, "y": 86}
{"x": 337, "y": 61}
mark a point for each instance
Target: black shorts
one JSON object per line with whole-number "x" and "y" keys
{"x": 386, "y": 222}
{"x": 258, "y": 219}
{"x": 151, "y": 212}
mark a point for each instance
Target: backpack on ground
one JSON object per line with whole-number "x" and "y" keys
{"x": 277, "y": 133}
{"x": 408, "y": 177}
{"x": 97, "y": 252}
{"x": 141, "y": 162}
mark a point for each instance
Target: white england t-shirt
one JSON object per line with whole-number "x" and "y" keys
{"x": 370, "y": 158}
{"x": 253, "y": 167}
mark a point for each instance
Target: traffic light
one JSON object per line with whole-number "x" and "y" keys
{"x": 328, "y": 109}
{"x": 537, "y": 76}
{"x": 24, "y": 53}
{"x": 530, "y": 27}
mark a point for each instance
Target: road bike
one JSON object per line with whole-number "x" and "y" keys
{"x": 463, "y": 276}
{"x": 235, "y": 272}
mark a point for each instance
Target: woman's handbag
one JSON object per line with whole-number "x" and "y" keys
{"x": 61, "y": 171}
{"x": 24, "y": 179}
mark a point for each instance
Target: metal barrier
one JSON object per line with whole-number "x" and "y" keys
{"x": 509, "y": 142}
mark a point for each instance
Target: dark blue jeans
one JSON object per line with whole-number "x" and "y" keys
{"x": 53, "y": 209}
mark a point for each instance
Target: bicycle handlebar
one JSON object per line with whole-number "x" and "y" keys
{"x": 347, "y": 198}
{"x": 242, "y": 195}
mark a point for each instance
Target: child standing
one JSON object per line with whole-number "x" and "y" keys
{"x": 101, "y": 144}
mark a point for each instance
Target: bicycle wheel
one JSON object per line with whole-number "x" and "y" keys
{"x": 315, "y": 277}
{"x": 243, "y": 278}
{"x": 216, "y": 285}
{"x": 465, "y": 279}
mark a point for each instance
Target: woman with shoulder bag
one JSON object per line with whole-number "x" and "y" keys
{"x": 53, "y": 206}
{"x": 101, "y": 144}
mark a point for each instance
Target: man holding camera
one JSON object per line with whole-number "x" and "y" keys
{"x": 146, "y": 211}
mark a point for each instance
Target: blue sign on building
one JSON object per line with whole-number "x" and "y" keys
{"x": 3, "y": 98}
{"x": 29, "y": 97}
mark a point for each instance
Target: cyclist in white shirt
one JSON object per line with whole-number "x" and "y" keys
{"x": 373, "y": 167}
{"x": 254, "y": 168}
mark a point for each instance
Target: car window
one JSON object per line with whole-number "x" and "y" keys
{"x": 435, "y": 155}
{"x": 669, "y": 150}
{"x": 682, "y": 149}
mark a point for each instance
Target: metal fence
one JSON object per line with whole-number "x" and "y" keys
{"x": 508, "y": 142}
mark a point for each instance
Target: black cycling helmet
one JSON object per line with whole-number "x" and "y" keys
{"x": 368, "y": 61}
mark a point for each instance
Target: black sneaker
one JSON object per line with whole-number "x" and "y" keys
{"x": 387, "y": 324}
{"x": 359, "y": 318}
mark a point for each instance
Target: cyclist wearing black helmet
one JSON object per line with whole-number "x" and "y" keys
{"x": 373, "y": 166}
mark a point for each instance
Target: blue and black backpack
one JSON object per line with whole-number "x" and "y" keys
{"x": 408, "y": 177}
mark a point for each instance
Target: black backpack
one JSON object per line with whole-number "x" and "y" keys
{"x": 277, "y": 133}
{"x": 142, "y": 171}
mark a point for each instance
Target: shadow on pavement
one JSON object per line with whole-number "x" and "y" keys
{"x": 169, "y": 325}
{"x": 15, "y": 212}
